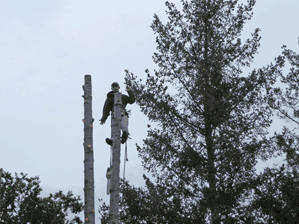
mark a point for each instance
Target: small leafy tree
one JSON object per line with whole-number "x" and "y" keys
{"x": 20, "y": 204}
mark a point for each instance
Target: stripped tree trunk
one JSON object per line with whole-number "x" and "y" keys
{"x": 89, "y": 215}
{"x": 115, "y": 134}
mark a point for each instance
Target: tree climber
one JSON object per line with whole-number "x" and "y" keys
{"x": 108, "y": 106}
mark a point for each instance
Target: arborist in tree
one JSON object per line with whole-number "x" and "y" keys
{"x": 108, "y": 106}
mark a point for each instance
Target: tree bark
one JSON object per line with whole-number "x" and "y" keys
{"x": 88, "y": 154}
{"x": 115, "y": 133}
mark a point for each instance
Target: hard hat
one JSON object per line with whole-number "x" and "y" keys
{"x": 115, "y": 83}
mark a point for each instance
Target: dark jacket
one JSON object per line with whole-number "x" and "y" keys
{"x": 108, "y": 106}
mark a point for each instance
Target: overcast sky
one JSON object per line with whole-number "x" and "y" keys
{"x": 46, "y": 48}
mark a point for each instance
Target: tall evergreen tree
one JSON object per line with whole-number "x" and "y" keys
{"x": 214, "y": 128}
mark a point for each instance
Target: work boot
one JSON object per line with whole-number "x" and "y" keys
{"x": 124, "y": 137}
{"x": 109, "y": 141}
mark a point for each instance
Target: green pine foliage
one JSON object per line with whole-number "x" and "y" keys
{"x": 276, "y": 197}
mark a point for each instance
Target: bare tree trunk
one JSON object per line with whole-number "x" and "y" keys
{"x": 88, "y": 153}
{"x": 115, "y": 132}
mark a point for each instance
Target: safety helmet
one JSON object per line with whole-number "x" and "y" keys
{"x": 115, "y": 83}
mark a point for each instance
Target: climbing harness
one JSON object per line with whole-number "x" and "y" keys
{"x": 125, "y": 112}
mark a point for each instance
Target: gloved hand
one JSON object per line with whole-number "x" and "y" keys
{"x": 102, "y": 122}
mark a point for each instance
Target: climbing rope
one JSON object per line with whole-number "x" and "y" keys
{"x": 125, "y": 159}
{"x": 126, "y": 153}
{"x": 108, "y": 179}
{"x": 111, "y": 155}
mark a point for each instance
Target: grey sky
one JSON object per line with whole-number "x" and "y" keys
{"x": 46, "y": 48}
